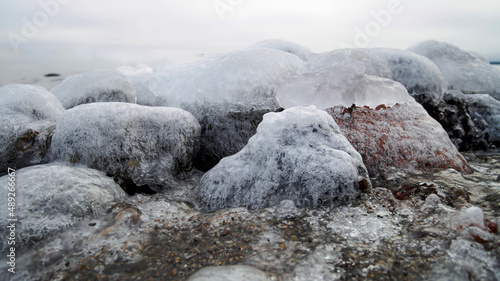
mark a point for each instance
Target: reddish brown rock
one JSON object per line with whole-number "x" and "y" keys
{"x": 402, "y": 136}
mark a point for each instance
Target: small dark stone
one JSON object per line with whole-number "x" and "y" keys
{"x": 498, "y": 178}
{"x": 52, "y": 75}
{"x": 92, "y": 224}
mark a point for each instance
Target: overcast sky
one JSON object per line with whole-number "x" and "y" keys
{"x": 94, "y": 34}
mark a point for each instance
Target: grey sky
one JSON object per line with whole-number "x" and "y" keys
{"x": 94, "y": 34}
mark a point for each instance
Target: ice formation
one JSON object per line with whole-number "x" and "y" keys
{"x": 145, "y": 145}
{"x": 28, "y": 115}
{"x": 230, "y": 273}
{"x": 286, "y": 46}
{"x": 94, "y": 86}
{"x": 402, "y": 136}
{"x": 52, "y": 197}
{"x": 461, "y": 70}
{"x": 421, "y": 77}
{"x": 487, "y": 108}
{"x": 298, "y": 154}
{"x": 139, "y": 77}
{"x": 228, "y": 94}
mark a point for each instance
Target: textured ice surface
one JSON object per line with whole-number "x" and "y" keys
{"x": 286, "y": 46}
{"x": 139, "y": 77}
{"x": 298, "y": 154}
{"x": 230, "y": 273}
{"x": 461, "y": 70}
{"x": 402, "y": 136}
{"x": 247, "y": 77}
{"x": 27, "y": 116}
{"x": 94, "y": 86}
{"x": 53, "y": 197}
{"x": 487, "y": 108}
{"x": 421, "y": 77}
{"x": 147, "y": 145}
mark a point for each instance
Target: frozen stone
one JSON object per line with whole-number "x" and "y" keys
{"x": 473, "y": 216}
{"x": 139, "y": 77}
{"x": 228, "y": 94}
{"x": 139, "y": 144}
{"x": 432, "y": 200}
{"x": 230, "y": 273}
{"x": 94, "y": 86}
{"x": 402, "y": 136}
{"x": 28, "y": 117}
{"x": 286, "y": 46}
{"x": 298, "y": 154}
{"x": 462, "y": 71}
{"x": 421, "y": 77}
{"x": 52, "y": 197}
{"x": 484, "y": 107}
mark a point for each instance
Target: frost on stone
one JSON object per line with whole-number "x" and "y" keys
{"x": 94, "y": 86}
{"x": 421, "y": 77}
{"x": 52, "y": 197}
{"x": 28, "y": 115}
{"x": 462, "y": 71}
{"x": 484, "y": 107}
{"x": 230, "y": 273}
{"x": 298, "y": 154}
{"x": 228, "y": 94}
{"x": 139, "y": 77}
{"x": 286, "y": 46}
{"x": 402, "y": 136}
{"x": 145, "y": 145}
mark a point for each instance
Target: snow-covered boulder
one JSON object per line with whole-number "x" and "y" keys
{"x": 461, "y": 70}
{"x": 139, "y": 77}
{"x": 487, "y": 108}
{"x": 298, "y": 154}
{"x": 286, "y": 46}
{"x": 402, "y": 136}
{"x": 52, "y": 197}
{"x": 228, "y": 94}
{"x": 94, "y": 86}
{"x": 421, "y": 77}
{"x": 145, "y": 145}
{"x": 28, "y": 115}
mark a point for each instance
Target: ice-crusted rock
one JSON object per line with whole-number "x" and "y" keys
{"x": 461, "y": 70}
{"x": 298, "y": 154}
{"x": 487, "y": 108}
{"x": 28, "y": 116}
{"x": 230, "y": 273}
{"x": 421, "y": 77}
{"x": 228, "y": 94}
{"x": 52, "y": 197}
{"x": 94, "y": 86}
{"x": 139, "y": 77}
{"x": 286, "y": 46}
{"x": 144, "y": 145}
{"x": 402, "y": 136}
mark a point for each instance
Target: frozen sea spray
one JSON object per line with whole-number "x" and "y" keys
{"x": 145, "y": 145}
{"x": 28, "y": 117}
{"x": 94, "y": 86}
{"x": 52, "y": 197}
{"x": 298, "y": 154}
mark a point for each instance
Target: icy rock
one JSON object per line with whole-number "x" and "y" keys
{"x": 145, "y": 145}
{"x": 94, "y": 86}
{"x": 228, "y": 94}
{"x": 53, "y": 197}
{"x": 402, "y": 136}
{"x": 139, "y": 77}
{"x": 479, "y": 56}
{"x": 361, "y": 59}
{"x": 471, "y": 217}
{"x": 230, "y": 273}
{"x": 421, "y": 77}
{"x": 28, "y": 117}
{"x": 298, "y": 154}
{"x": 462, "y": 71}
{"x": 286, "y": 46}
{"x": 341, "y": 84}
{"x": 432, "y": 201}
{"x": 484, "y": 107}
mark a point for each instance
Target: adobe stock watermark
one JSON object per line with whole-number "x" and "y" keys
{"x": 223, "y": 6}
{"x": 32, "y": 25}
{"x": 11, "y": 220}
{"x": 380, "y": 19}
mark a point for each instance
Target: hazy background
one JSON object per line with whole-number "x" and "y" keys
{"x": 78, "y": 35}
